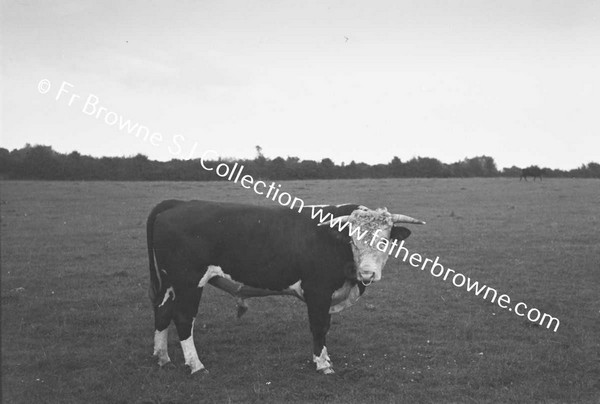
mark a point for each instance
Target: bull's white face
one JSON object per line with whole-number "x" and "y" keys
{"x": 375, "y": 228}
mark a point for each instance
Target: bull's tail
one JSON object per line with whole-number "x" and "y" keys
{"x": 156, "y": 281}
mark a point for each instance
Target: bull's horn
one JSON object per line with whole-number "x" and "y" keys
{"x": 398, "y": 218}
{"x": 339, "y": 219}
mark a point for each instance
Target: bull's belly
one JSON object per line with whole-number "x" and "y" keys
{"x": 342, "y": 298}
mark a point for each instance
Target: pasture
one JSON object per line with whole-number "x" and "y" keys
{"x": 77, "y": 325}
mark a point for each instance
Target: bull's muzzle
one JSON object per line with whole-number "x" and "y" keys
{"x": 367, "y": 278}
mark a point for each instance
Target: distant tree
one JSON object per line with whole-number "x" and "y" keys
{"x": 139, "y": 167}
{"x": 292, "y": 165}
{"x": 327, "y": 168}
{"x": 351, "y": 170}
{"x": 277, "y": 169}
{"x": 309, "y": 169}
{"x": 380, "y": 171}
{"x": 484, "y": 166}
{"x": 591, "y": 170}
{"x": 489, "y": 166}
{"x": 327, "y": 164}
{"x": 259, "y": 166}
{"x": 396, "y": 168}
{"x": 424, "y": 167}
{"x": 594, "y": 169}
{"x": 5, "y": 163}
{"x": 42, "y": 162}
{"x": 430, "y": 167}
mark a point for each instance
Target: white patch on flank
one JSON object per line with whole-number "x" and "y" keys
{"x": 160, "y": 346}
{"x": 323, "y": 362}
{"x": 211, "y": 272}
{"x": 297, "y": 289}
{"x": 167, "y": 294}
{"x": 190, "y": 354}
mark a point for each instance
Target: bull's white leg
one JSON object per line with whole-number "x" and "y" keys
{"x": 160, "y": 346}
{"x": 323, "y": 362}
{"x": 190, "y": 354}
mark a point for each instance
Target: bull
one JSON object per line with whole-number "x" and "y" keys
{"x": 251, "y": 251}
{"x": 533, "y": 171}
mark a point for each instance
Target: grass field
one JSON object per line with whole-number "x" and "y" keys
{"x": 77, "y": 325}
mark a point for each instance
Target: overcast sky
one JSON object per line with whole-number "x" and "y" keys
{"x": 349, "y": 80}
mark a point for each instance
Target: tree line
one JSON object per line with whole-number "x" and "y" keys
{"x": 43, "y": 163}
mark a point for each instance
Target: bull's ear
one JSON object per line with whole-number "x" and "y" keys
{"x": 399, "y": 233}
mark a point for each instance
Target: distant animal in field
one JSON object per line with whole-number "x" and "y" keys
{"x": 251, "y": 251}
{"x": 533, "y": 171}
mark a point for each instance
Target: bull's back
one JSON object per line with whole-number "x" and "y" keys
{"x": 259, "y": 246}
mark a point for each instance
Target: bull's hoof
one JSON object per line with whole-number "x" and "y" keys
{"x": 163, "y": 362}
{"x": 201, "y": 371}
{"x": 163, "y": 358}
{"x": 167, "y": 366}
{"x": 327, "y": 371}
